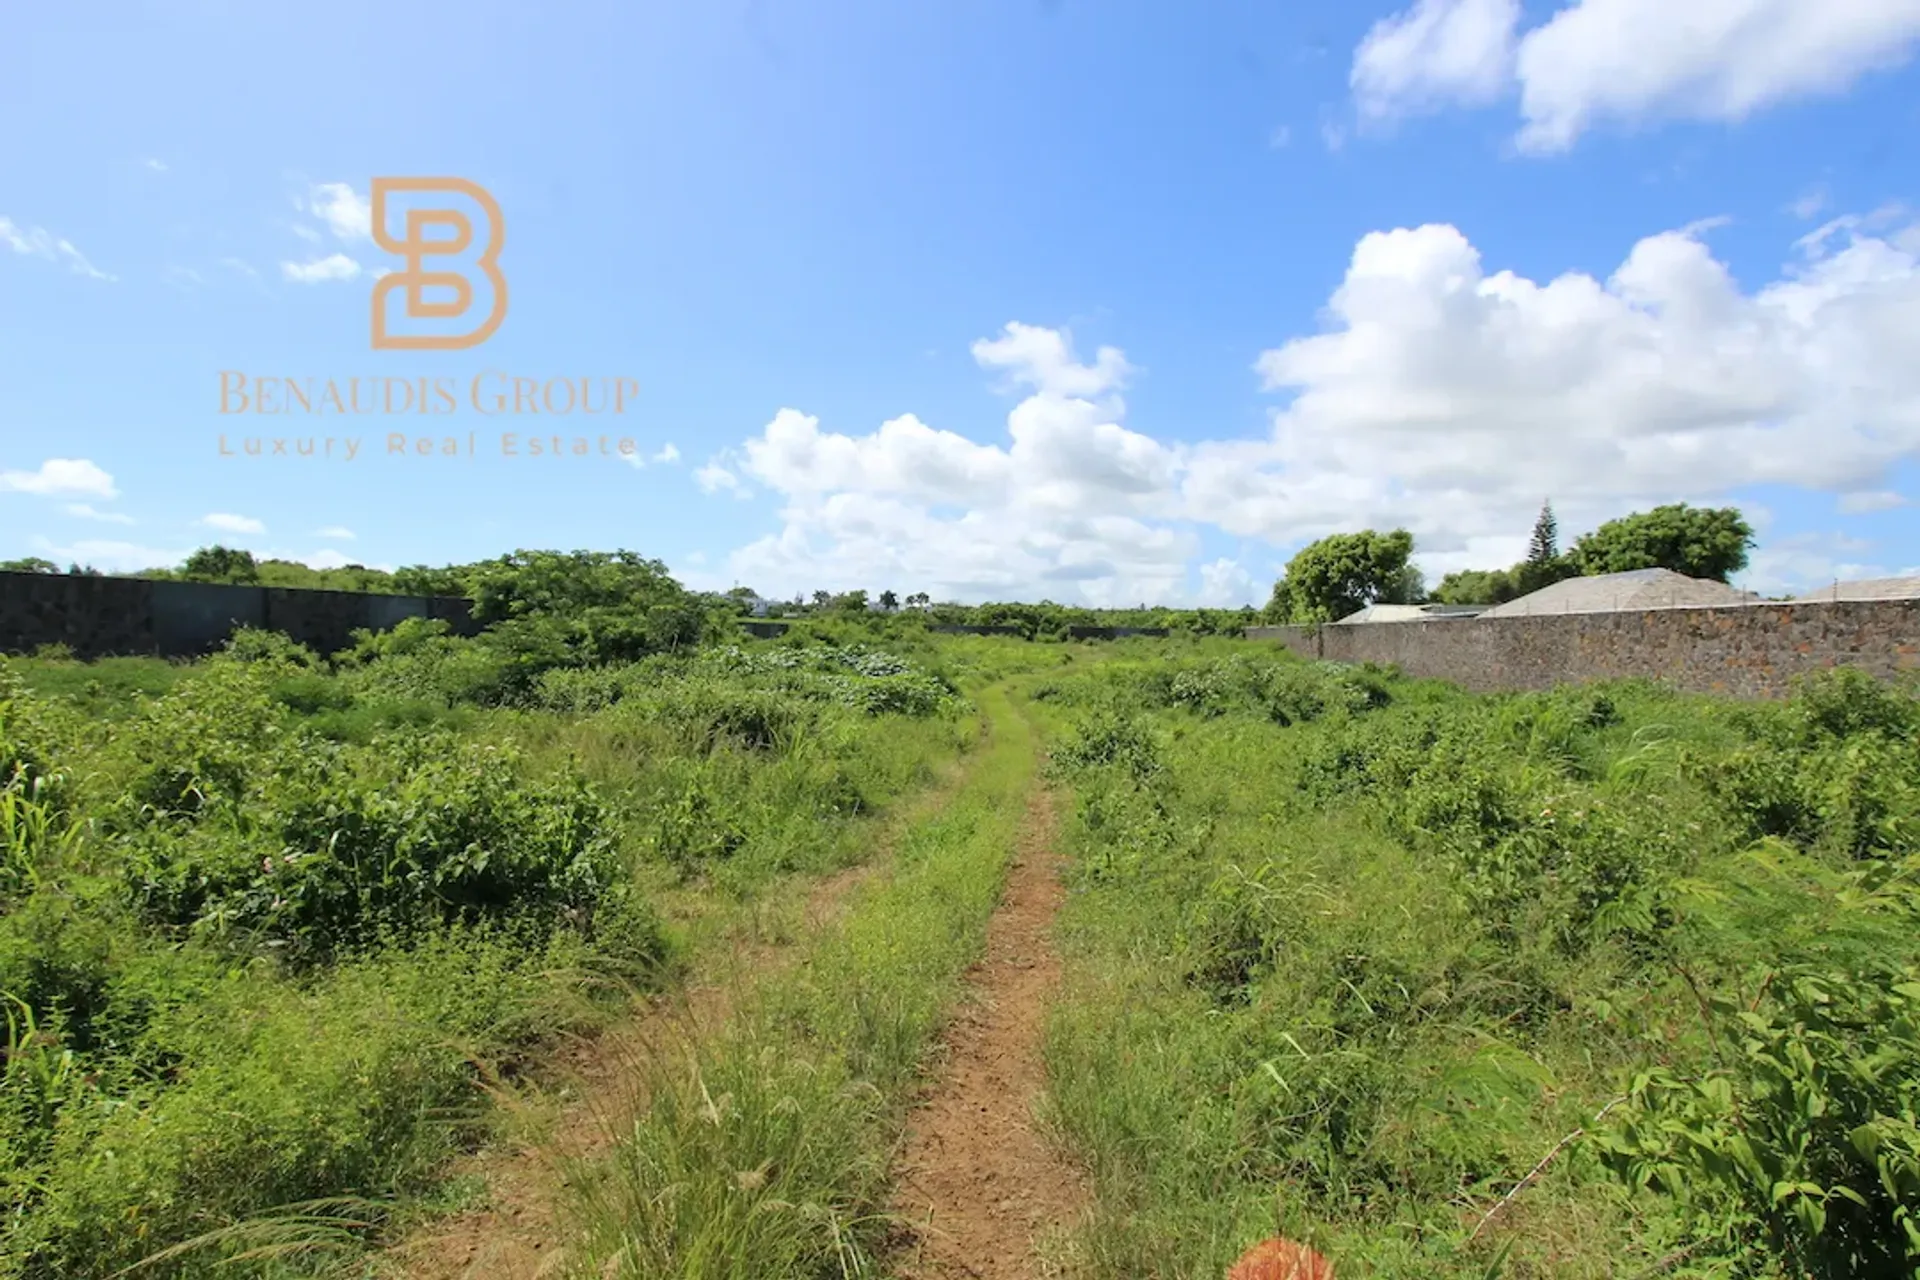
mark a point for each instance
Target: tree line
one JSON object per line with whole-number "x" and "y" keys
{"x": 1323, "y": 582}
{"x": 1345, "y": 572}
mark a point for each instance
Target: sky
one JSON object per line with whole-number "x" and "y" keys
{"x": 1100, "y": 301}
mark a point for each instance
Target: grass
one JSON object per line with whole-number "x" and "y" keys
{"x": 766, "y": 1152}
{"x": 1594, "y": 983}
{"x": 268, "y": 929}
{"x": 1350, "y": 959}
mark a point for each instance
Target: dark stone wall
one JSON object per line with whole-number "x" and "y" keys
{"x": 99, "y": 616}
{"x": 957, "y": 629}
{"x": 1747, "y": 651}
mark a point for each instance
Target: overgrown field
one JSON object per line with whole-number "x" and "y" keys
{"x": 267, "y": 922}
{"x": 1608, "y": 982}
{"x": 1351, "y": 958}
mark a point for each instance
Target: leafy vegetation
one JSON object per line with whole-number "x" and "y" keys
{"x": 1342, "y": 574}
{"x": 269, "y": 922}
{"x": 1601, "y": 982}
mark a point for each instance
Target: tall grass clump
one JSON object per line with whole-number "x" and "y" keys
{"x": 1551, "y": 984}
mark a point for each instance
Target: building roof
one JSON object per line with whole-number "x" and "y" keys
{"x": 1409, "y": 613}
{"x": 1630, "y": 591}
{"x": 1907, "y": 588}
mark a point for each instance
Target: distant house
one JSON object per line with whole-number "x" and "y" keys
{"x": 1410, "y": 613}
{"x": 1627, "y": 592}
{"x": 1907, "y": 588}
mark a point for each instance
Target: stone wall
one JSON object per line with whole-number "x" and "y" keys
{"x": 97, "y": 616}
{"x": 1749, "y": 651}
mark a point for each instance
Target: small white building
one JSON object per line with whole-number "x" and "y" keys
{"x": 1410, "y": 613}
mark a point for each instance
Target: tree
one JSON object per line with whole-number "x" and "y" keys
{"x": 889, "y": 601}
{"x": 221, "y": 564}
{"x": 1544, "y": 564}
{"x": 850, "y": 602}
{"x": 919, "y": 600}
{"x": 1344, "y": 573}
{"x": 821, "y": 599}
{"x": 30, "y": 564}
{"x": 1700, "y": 542}
{"x": 1544, "y": 547}
{"x": 1477, "y": 586}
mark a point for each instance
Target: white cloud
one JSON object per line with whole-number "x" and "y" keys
{"x": 715, "y": 478}
{"x": 158, "y": 166}
{"x": 1808, "y": 561}
{"x": 38, "y": 242}
{"x": 59, "y": 477}
{"x": 231, "y": 523}
{"x": 337, "y": 266}
{"x": 1855, "y": 504}
{"x": 234, "y": 264}
{"x": 336, "y": 532}
{"x": 1280, "y": 138}
{"x": 347, "y": 214}
{"x": 667, "y": 453}
{"x": 1442, "y": 396}
{"x": 1632, "y": 60}
{"x": 1226, "y": 584}
{"x": 1435, "y": 54}
{"x": 86, "y": 512}
{"x": 1626, "y": 61}
{"x": 110, "y": 556}
{"x": 1453, "y": 398}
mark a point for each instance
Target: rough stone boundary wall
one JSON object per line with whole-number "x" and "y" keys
{"x": 1749, "y": 651}
{"x": 98, "y": 616}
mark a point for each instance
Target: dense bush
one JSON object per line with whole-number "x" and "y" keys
{"x": 1385, "y": 947}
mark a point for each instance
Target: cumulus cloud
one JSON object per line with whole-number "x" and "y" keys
{"x": 335, "y": 266}
{"x": 1442, "y": 395}
{"x": 1226, "y": 584}
{"x": 1462, "y": 390}
{"x": 61, "y": 477}
{"x": 348, "y": 214}
{"x": 1627, "y": 61}
{"x": 714, "y": 477}
{"x": 1438, "y": 53}
{"x": 228, "y": 523}
{"x": 38, "y": 242}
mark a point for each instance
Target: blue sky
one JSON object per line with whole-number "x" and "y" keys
{"x": 1008, "y": 298}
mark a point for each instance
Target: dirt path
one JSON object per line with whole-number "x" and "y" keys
{"x": 518, "y": 1234}
{"x": 979, "y": 1184}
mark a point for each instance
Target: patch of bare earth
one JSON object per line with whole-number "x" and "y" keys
{"x": 979, "y": 1185}
{"x": 519, "y": 1233}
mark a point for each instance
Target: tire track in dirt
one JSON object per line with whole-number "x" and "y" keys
{"x": 520, "y": 1232}
{"x": 981, "y": 1188}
